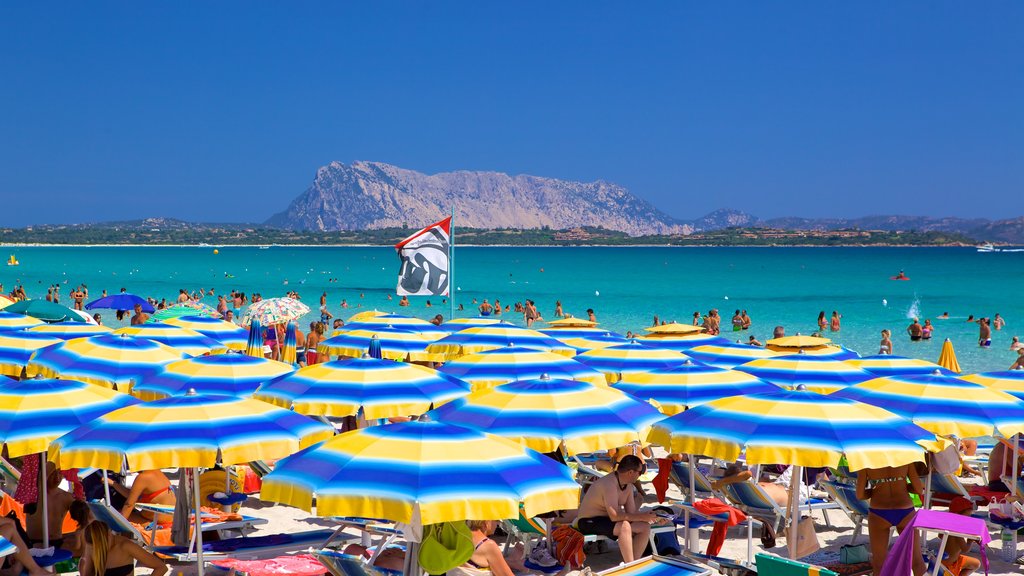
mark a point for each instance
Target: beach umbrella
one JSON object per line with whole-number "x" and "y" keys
{"x": 458, "y": 324}
{"x": 5, "y": 301}
{"x": 945, "y": 405}
{"x": 108, "y": 360}
{"x": 184, "y": 309}
{"x": 230, "y": 335}
{"x": 405, "y": 322}
{"x": 888, "y": 365}
{"x": 43, "y": 310}
{"x": 395, "y": 344}
{"x": 71, "y": 330}
{"x": 122, "y": 301}
{"x": 83, "y": 316}
{"x": 17, "y": 346}
{"x": 728, "y": 356}
{"x": 273, "y": 311}
{"x": 630, "y": 358}
{"x": 690, "y": 384}
{"x": 817, "y": 373}
{"x": 289, "y": 346}
{"x": 494, "y": 367}
{"x": 684, "y": 342}
{"x": 225, "y": 374}
{"x": 1009, "y": 381}
{"x": 421, "y": 473}
{"x": 254, "y": 345}
{"x": 674, "y": 329}
{"x": 188, "y": 341}
{"x": 12, "y": 321}
{"x": 569, "y": 322}
{"x": 377, "y": 388}
{"x": 586, "y": 343}
{"x": 360, "y": 316}
{"x": 483, "y": 338}
{"x": 833, "y": 352}
{"x": 545, "y": 414}
{"x": 793, "y": 344}
{"x": 947, "y": 357}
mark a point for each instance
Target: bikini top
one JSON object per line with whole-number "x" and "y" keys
{"x": 873, "y": 482}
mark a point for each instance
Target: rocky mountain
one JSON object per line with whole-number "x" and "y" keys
{"x": 373, "y": 195}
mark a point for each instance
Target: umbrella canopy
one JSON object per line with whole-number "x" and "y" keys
{"x": 457, "y": 324}
{"x": 729, "y": 356}
{"x": 12, "y": 321}
{"x": 195, "y": 430}
{"x": 360, "y": 316}
{"x": 254, "y": 344}
{"x": 289, "y": 347}
{"x": 674, "y": 328}
{"x": 223, "y": 374}
{"x": 43, "y": 310}
{"x": 273, "y": 311}
{"x": 378, "y": 388}
{"x": 571, "y": 322}
{"x": 483, "y": 338}
{"x": 184, "y": 309}
{"x": 945, "y": 405}
{"x": 631, "y": 358}
{"x": 947, "y": 357}
{"x": 794, "y": 343}
{"x": 17, "y": 347}
{"x": 230, "y": 335}
{"x": 5, "y": 301}
{"x": 188, "y": 341}
{"x": 34, "y": 413}
{"x": 586, "y": 343}
{"x": 684, "y": 342}
{"x": 494, "y": 367}
{"x": 122, "y": 301}
{"x": 690, "y": 384}
{"x": 395, "y": 344}
{"x": 833, "y": 352}
{"x": 1009, "y": 381}
{"x": 817, "y": 373}
{"x": 421, "y": 473}
{"x": 544, "y": 414}
{"x": 71, "y": 330}
{"x": 888, "y": 365}
{"x": 570, "y": 332}
{"x": 108, "y": 360}
{"x": 796, "y": 427}
{"x": 405, "y": 322}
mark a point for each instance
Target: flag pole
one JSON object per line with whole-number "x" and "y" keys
{"x": 451, "y": 266}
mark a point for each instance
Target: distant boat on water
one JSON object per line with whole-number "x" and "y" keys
{"x": 987, "y": 247}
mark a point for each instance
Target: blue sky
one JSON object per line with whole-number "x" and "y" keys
{"x": 222, "y": 111}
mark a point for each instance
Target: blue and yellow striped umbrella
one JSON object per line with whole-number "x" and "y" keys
{"x": 690, "y": 384}
{"x": 421, "y": 473}
{"x": 191, "y": 431}
{"x": 684, "y": 342}
{"x": 819, "y": 374}
{"x": 189, "y": 341}
{"x": 71, "y": 330}
{"x": 483, "y": 338}
{"x": 17, "y": 347}
{"x": 378, "y": 388}
{"x": 395, "y": 344}
{"x": 34, "y": 413}
{"x": 494, "y": 367}
{"x": 289, "y": 352}
{"x": 945, "y": 405}
{"x": 12, "y": 321}
{"x": 405, "y": 322}
{"x": 631, "y": 358}
{"x": 226, "y": 374}
{"x": 833, "y": 352}
{"x": 7, "y": 547}
{"x": 570, "y": 332}
{"x": 254, "y": 342}
{"x": 888, "y": 365}
{"x": 544, "y": 414}
{"x": 109, "y": 361}
{"x": 796, "y": 427}
{"x": 459, "y": 324}
{"x": 228, "y": 334}
{"x": 1009, "y": 381}
{"x": 584, "y": 339}
{"x": 728, "y": 356}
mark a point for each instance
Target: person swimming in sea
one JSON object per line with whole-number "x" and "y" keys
{"x": 901, "y": 276}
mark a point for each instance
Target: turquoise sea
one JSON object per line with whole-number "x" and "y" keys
{"x": 626, "y": 287}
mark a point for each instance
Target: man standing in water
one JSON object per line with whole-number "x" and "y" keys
{"x": 984, "y": 333}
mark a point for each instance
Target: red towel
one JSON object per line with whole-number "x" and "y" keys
{"x": 713, "y": 507}
{"x": 660, "y": 481}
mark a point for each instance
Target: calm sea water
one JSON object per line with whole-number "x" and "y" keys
{"x": 625, "y": 286}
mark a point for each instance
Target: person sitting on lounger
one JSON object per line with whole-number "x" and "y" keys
{"x": 888, "y": 492}
{"x": 150, "y": 487}
{"x": 777, "y": 490}
{"x": 487, "y": 556}
{"x": 58, "y": 502}
{"x": 22, "y": 560}
{"x": 107, "y": 554}
{"x": 609, "y": 508}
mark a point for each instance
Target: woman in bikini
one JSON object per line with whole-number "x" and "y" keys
{"x": 888, "y": 492}
{"x": 107, "y": 554}
{"x": 487, "y": 555}
{"x": 150, "y": 487}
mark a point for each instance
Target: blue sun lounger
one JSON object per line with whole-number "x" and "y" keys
{"x": 252, "y": 547}
{"x": 339, "y": 564}
{"x": 658, "y": 566}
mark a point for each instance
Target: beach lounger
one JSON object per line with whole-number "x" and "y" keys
{"x": 658, "y": 566}
{"x": 584, "y": 464}
{"x": 525, "y": 530}
{"x": 118, "y": 523}
{"x": 749, "y": 497}
{"x": 252, "y": 548}
{"x": 224, "y": 529}
{"x": 9, "y": 475}
{"x": 680, "y": 475}
{"x": 845, "y": 495}
{"x": 771, "y": 565}
{"x": 339, "y": 564}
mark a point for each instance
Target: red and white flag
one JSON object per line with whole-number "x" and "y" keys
{"x": 425, "y": 261}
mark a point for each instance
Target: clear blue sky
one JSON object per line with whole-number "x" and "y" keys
{"x": 222, "y": 111}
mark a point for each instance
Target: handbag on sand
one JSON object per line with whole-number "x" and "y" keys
{"x": 806, "y": 537}
{"x": 854, "y": 554}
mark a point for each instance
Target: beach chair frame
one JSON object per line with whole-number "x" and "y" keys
{"x": 845, "y": 495}
{"x": 749, "y": 497}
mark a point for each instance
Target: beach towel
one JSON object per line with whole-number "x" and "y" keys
{"x": 899, "y": 562}
{"x": 569, "y": 547}
{"x": 713, "y": 507}
{"x": 660, "y": 481}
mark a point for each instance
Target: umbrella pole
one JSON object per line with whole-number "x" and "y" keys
{"x": 199, "y": 521}
{"x": 106, "y": 487}
{"x": 1014, "y": 475}
{"x": 927, "y": 499}
{"x": 794, "y": 504}
{"x": 42, "y": 497}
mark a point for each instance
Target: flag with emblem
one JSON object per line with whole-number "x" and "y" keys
{"x": 426, "y": 261}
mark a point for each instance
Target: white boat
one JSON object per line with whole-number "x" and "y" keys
{"x": 987, "y": 247}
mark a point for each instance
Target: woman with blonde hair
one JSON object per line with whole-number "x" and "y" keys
{"x": 107, "y": 554}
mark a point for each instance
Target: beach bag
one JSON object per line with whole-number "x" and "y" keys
{"x": 569, "y": 547}
{"x": 806, "y": 537}
{"x": 445, "y": 546}
{"x": 854, "y": 554}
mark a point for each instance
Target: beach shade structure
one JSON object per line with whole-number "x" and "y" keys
{"x": 222, "y": 374}
{"x": 273, "y": 311}
{"x": 289, "y": 352}
{"x": 360, "y": 316}
{"x": 421, "y": 473}
{"x": 12, "y": 321}
{"x": 494, "y": 367}
{"x": 83, "y": 316}
{"x": 682, "y": 343}
{"x": 1009, "y": 381}
{"x": 830, "y": 351}
{"x": 674, "y": 329}
{"x": 376, "y": 388}
{"x": 586, "y": 343}
{"x": 395, "y": 344}
{"x": 947, "y": 357}
{"x": 945, "y": 405}
{"x": 483, "y": 338}
{"x": 793, "y": 344}
{"x": 5, "y": 301}
{"x": 111, "y": 361}
{"x": 405, "y": 322}
{"x": 457, "y": 324}
{"x": 546, "y": 414}
{"x": 189, "y": 341}
{"x": 570, "y": 322}
{"x": 184, "y": 309}
{"x": 254, "y": 344}
{"x": 889, "y": 365}
{"x": 122, "y": 301}
{"x": 43, "y": 310}
{"x": 728, "y": 356}
{"x": 17, "y": 347}
{"x": 230, "y": 335}
{"x": 817, "y": 373}
{"x": 690, "y": 384}
{"x": 633, "y": 357}
{"x": 71, "y": 330}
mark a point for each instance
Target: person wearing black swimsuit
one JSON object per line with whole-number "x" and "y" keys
{"x": 107, "y": 554}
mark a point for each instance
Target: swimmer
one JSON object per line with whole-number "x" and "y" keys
{"x": 944, "y": 316}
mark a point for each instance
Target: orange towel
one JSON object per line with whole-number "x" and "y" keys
{"x": 660, "y": 481}
{"x": 569, "y": 547}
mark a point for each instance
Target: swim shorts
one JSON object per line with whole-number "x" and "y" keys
{"x": 985, "y": 343}
{"x": 599, "y": 525}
